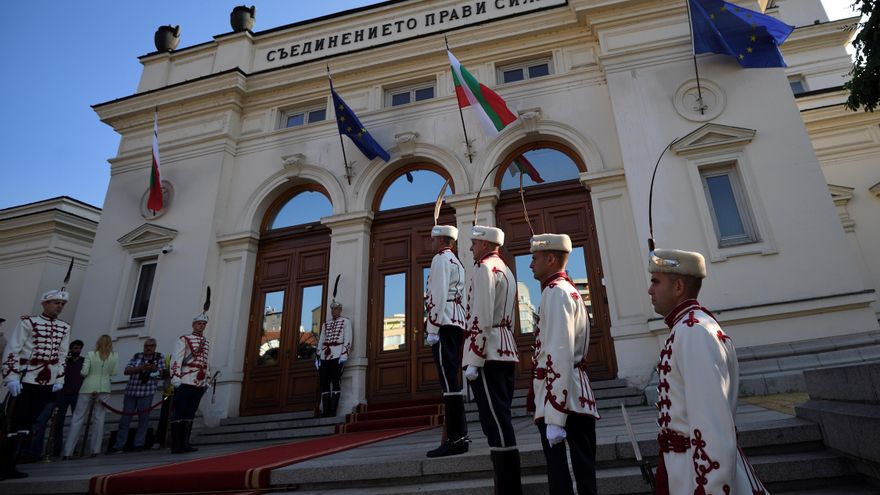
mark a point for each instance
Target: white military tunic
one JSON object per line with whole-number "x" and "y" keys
{"x": 33, "y": 351}
{"x": 444, "y": 292}
{"x": 335, "y": 339}
{"x": 490, "y": 310}
{"x": 189, "y": 363}
{"x": 699, "y": 379}
{"x": 562, "y": 337}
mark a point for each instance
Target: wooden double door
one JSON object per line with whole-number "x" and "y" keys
{"x": 401, "y": 365}
{"x": 287, "y": 309}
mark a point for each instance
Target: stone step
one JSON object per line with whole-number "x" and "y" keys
{"x": 779, "y": 368}
{"x": 787, "y": 472}
{"x": 304, "y": 425}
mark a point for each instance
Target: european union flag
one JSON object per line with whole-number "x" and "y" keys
{"x": 751, "y": 37}
{"x": 351, "y": 126}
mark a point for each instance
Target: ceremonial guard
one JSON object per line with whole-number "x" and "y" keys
{"x": 190, "y": 378}
{"x": 490, "y": 353}
{"x": 445, "y": 329}
{"x": 334, "y": 345}
{"x": 565, "y": 406}
{"x": 699, "y": 379}
{"x": 33, "y": 369}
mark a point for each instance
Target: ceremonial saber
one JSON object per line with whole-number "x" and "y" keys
{"x": 647, "y": 472}
{"x": 214, "y": 385}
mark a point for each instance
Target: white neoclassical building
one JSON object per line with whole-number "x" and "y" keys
{"x": 262, "y": 207}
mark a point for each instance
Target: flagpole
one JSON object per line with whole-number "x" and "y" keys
{"x": 467, "y": 143}
{"x": 700, "y": 104}
{"x": 341, "y": 143}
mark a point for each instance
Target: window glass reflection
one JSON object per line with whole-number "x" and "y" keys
{"x": 270, "y": 338}
{"x": 402, "y": 192}
{"x": 552, "y": 166}
{"x": 309, "y": 321}
{"x": 305, "y": 207}
{"x": 528, "y": 294}
{"x": 394, "y": 315}
{"x": 577, "y": 271}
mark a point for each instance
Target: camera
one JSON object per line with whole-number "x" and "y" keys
{"x": 167, "y": 248}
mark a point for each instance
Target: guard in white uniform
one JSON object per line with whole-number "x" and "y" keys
{"x": 445, "y": 330}
{"x": 565, "y": 406}
{"x": 33, "y": 368}
{"x": 190, "y": 378}
{"x": 699, "y": 380}
{"x": 490, "y": 352}
{"x": 334, "y": 345}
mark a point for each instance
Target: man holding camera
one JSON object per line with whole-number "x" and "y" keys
{"x": 144, "y": 371}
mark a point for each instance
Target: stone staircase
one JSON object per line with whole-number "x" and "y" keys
{"x": 779, "y": 368}
{"x": 787, "y": 453}
{"x": 301, "y": 425}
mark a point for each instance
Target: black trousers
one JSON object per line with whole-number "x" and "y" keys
{"x": 447, "y": 357}
{"x": 186, "y": 402}
{"x": 28, "y": 406}
{"x": 493, "y": 391}
{"x": 581, "y": 440}
{"x": 330, "y": 373}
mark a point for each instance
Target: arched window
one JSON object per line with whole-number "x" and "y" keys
{"x": 551, "y": 163}
{"x": 305, "y": 205}
{"x": 413, "y": 186}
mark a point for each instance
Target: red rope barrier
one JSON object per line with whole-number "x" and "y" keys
{"x": 135, "y": 413}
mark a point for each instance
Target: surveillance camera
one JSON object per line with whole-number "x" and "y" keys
{"x": 167, "y": 248}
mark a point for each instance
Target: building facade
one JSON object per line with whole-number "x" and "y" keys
{"x": 37, "y": 242}
{"x": 264, "y": 209}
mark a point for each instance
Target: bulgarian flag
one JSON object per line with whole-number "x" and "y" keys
{"x": 492, "y": 110}
{"x": 154, "y": 202}
{"x": 526, "y": 167}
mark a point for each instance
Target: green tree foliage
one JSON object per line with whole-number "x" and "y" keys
{"x": 864, "y": 87}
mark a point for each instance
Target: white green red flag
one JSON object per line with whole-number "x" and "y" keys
{"x": 490, "y": 108}
{"x": 154, "y": 202}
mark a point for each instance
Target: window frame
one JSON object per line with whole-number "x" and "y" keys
{"x": 798, "y": 79}
{"x": 500, "y": 69}
{"x": 744, "y": 210}
{"x": 411, "y": 88}
{"x": 135, "y": 283}
{"x": 306, "y": 110}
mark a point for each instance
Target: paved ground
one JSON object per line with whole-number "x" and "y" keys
{"x": 73, "y": 476}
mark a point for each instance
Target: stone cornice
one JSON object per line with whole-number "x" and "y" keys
{"x": 179, "y": 101}
{"x": 817, "y": 36}
{"x": 61, "y": 204}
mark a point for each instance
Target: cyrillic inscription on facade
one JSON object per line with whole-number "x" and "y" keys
{"x": 429, "y": 21}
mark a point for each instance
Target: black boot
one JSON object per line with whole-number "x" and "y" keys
{"x": 507, "y": 472}
{"x": 456, "y": 428}
{"x": 8, "y": 452}
{"x": 325, "y": 405}
{"x": 187, "y": 432}
{"x": 334, "y": 403}
{"x": 177, "y": 437}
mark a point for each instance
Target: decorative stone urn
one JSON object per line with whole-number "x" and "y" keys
{"x": 242, "y": 18}
{"x": 167, "y": 38}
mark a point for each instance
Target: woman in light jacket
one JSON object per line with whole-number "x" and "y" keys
{"x": 97, "y": 369}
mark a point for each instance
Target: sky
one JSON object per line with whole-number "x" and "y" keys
{"x": 61, "y": 57}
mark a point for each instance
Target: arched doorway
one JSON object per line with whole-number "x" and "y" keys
{"x": 401, "y": 366}
{"x": 559, "y": 205}
{"x": 287, "y": 305}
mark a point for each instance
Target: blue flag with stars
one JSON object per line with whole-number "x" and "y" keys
{"x": 351, "y": 126}
{"x": 750, "y": 37}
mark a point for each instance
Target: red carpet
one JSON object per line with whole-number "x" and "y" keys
{"x": 398, "y": 414}
{"x": 235, "y": 472}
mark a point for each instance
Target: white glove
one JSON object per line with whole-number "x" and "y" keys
{"x": 208, "y": 385}
{"x": 317, "y": 364}
{"x": 343, "y": 359}
{"x": 555, "y": 434}
{"x": 432, "y": 339}
{"x": 14, "y": 387}
{"x": 175, "y": 382}
{"x": 57, "y": 387}
{"x": 472, "y": 372}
